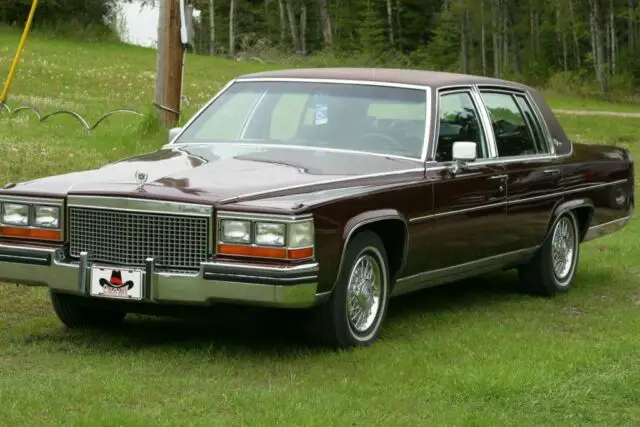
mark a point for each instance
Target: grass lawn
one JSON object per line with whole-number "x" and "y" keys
{"x": 564, "y": 101}
{"x": 471, "y": 353}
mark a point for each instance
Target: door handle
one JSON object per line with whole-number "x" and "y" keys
{"x": 551, "y": 171}
{"x": 501, "y": 177}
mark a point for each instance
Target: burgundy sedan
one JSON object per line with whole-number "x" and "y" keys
{"x": 329, "y": 190}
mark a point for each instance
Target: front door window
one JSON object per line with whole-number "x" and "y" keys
{"x": 459, "y": 121}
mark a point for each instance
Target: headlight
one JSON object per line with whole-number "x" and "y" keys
{"x": 15, "y": 214}
{"x": 265, "y": 236}
{"x": 300, "y": 234}
{"x": 46, "y": 216}
{"x": 270, "y": 233}
{"x": 233, "y": 231}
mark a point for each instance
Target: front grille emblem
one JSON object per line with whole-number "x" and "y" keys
{"x": 141, "y": 178}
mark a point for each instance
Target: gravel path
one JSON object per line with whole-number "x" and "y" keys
{"x": 596, "y": 113}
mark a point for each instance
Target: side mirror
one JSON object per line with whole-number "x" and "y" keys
{"x": 463, "y": 153}
{"x": 173, "y": 132}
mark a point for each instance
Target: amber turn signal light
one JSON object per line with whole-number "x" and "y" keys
{"x": 30, "y": 233}
{"x": 253, "y": 251}
{"x": 262, "y": 252}
{"x": 300, "y": 253}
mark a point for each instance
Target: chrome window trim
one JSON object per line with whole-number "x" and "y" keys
{"x": 532, "y": 104}
{"x": 536, "y": 121}
{"x": 427, "y": 125}
{"x": 482, "y": 116}
{"x": 337, "y": 81}
{"x": 486, "y": 123}
{"x": 497, "y": 160}
{"x": 426, "y": 89}
{"x": 140, "y": 205}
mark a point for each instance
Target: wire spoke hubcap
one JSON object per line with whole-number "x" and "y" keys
{"x": 563, "y": 248}
{"x": 364, "y": 293}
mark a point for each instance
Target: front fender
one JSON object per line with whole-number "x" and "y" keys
{"x": 367, "y": 218}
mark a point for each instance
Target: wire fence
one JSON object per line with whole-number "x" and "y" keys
{"x": 80, "y": 119}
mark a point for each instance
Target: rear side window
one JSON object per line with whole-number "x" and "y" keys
{"x": 516, "y": 131}
{"x": 538, "y": 137}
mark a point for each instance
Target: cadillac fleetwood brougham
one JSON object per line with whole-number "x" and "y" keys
{"x": 330, "y": 190}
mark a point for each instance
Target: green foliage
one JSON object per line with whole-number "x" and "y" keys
{"x": 371, "y": 33}
{"x": 82, "y": 20}
{"x": 528, "y": 41}
{"x": 438, "y": 54}
{"x": 532, "y": 41}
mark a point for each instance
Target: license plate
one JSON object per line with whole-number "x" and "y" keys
{"x": 114, "y": 283}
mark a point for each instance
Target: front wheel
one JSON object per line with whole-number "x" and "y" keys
{"x": 75, "y": 315}
{"x": 552, "y": 269}
{"x": 354, "y": 314}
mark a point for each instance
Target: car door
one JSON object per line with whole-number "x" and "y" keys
{"x": 533, "y": 172}
{"x": 470, "y": 206}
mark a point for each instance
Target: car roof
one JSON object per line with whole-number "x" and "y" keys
{"x": 434, "y": 79}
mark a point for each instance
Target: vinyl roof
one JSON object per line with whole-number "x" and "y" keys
{"x": 433, "y": 79}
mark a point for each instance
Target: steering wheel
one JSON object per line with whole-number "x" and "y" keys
{"x": 380, "y": 136}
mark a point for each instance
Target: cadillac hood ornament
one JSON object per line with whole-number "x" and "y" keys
{"x": 141, "y": 178}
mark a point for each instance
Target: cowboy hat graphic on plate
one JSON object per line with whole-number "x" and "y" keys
{"x": 116, "y": 281}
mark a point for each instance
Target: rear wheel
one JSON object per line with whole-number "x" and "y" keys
{"x": 553, "y": 267}
{"x": 75, "y": 315}
{"x": 354, "y": 314}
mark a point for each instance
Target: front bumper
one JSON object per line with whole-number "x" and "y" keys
{"x": 281, "y": 286}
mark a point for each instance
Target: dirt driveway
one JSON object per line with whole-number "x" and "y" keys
{"x": 596, "y": 113}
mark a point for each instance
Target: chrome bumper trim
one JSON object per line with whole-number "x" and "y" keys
{"x": 606, "y": 228}
{"x": 281, "y": 286}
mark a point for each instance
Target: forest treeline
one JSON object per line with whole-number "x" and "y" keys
{"x": 565, "y": 43}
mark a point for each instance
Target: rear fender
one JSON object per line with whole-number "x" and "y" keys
{"x": 570, "y": 205}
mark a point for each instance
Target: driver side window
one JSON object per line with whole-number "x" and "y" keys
{"x": 459, "y": 121}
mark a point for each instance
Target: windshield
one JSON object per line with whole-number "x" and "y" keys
{"x": 375, "y": 119}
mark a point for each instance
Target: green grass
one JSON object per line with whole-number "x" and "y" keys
{"x": 471, "y": 353}
{"x": 568, "y": 102}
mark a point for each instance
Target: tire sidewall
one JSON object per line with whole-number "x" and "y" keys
{"x": 564, "y": 284}
{"x": 365, "y": 243}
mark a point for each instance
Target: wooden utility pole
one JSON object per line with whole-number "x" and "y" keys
{"x": 170, "y": 63}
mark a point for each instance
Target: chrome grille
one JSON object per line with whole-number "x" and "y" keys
{"x": 128, "y": 238}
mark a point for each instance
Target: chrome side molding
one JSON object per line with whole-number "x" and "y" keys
{"x": 598, "y": 231}
{"x": 462, "y": 271}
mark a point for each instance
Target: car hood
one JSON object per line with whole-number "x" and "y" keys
{"x": 219, "y": 173}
